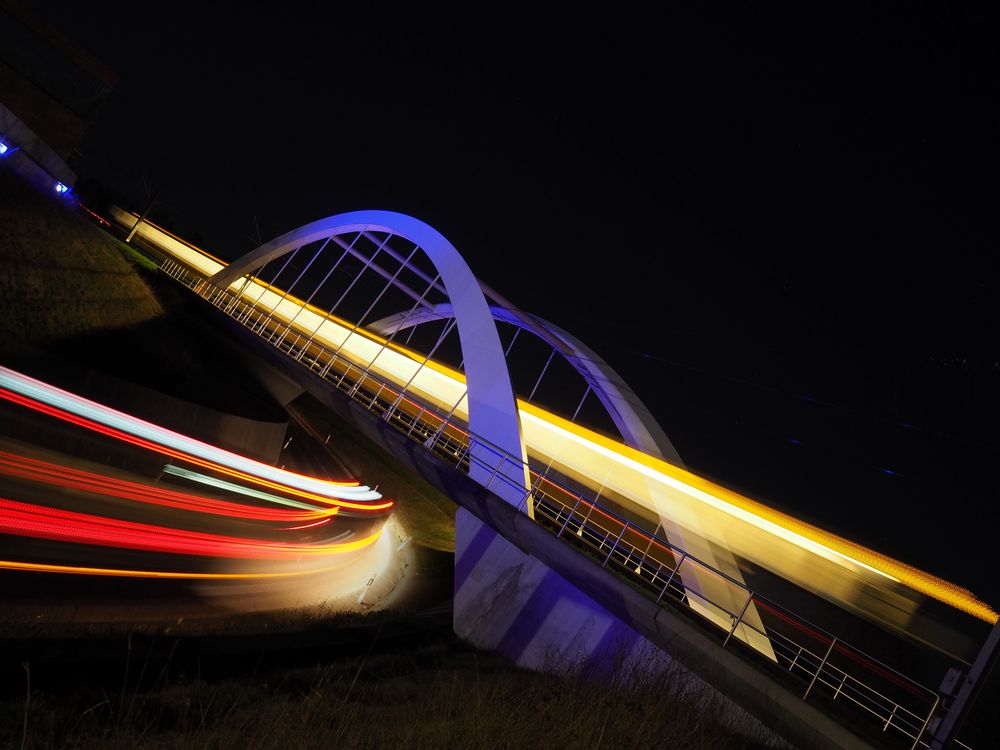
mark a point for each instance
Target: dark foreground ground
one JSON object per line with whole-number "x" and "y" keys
{"x": 381, "y": 682}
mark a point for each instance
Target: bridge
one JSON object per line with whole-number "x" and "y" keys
{"x": 573, "y": 547}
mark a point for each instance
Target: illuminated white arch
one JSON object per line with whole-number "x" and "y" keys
{"x": 493, "y": 413}
{"x": 638, "y": 428}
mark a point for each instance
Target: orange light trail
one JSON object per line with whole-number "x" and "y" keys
{"x": 126, "y": 573}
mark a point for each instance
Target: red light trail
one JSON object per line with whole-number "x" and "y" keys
{"x": 40, "y": 522}
{"x": 43, "y": 472}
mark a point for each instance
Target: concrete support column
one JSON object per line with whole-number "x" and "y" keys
{"x": 508, "y": 601}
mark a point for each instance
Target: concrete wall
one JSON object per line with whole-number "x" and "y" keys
{"x": 254, "y": 438}
{"x": 508, "y": 601}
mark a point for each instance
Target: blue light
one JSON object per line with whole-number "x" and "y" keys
{"x": 60, "y": 188}
{"x": 4, "y": 148}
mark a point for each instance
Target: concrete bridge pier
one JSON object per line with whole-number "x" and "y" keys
{"x": 508, "y": 601}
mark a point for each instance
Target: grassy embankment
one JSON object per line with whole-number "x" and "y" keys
{"x": 438, "y": 693}
{"x": 71, "y": 291}
{"x": 61, "y": 276}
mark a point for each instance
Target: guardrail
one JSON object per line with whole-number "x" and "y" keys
{"x": 848, "y": 684}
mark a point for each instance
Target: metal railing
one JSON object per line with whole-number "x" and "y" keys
{"x": 848, "y": 684}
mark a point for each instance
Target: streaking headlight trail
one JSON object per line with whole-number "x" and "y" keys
{"x": 239, "y": 489}
{"x": 345, "y": 494}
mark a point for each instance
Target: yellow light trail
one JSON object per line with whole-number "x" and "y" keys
{"x": 581, "y": 453}
{"x": 756, "y": 513}
{"x": 125, "y": 573}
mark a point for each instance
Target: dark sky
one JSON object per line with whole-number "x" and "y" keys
{"x": 778, "y": 225}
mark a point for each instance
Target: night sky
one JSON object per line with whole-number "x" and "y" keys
{"x": 777, "y": 226}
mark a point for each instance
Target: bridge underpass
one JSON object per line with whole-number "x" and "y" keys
{"x": 650, "y": 563}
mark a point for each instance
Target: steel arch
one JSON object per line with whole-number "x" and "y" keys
{"x": 493, "y": 413}
{"x": 638, "y": 428}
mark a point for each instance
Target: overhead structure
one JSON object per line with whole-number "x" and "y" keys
{"x": 594, "y": 492}
{"x": 636, "y": 424}
{"x": 493, "y": 413}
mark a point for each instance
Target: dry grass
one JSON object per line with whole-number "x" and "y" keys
{"x": 60, "y": 275}
{"x": 442, "y": 695}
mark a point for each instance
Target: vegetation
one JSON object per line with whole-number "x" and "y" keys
{"x": 140, "y": 259}
{"x": 438, "y": 694}
{"x": 72, "y": 291}
{"x": 61, "y": 275}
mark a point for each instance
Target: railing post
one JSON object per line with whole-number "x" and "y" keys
{"x": 927, "y": 720}
{"x": 796, "y": 659}
{"x": 387, "y": 415}
{"x": 820, "y": 669}
{"x": 534, "y": 488}
{"x": 656, "y": 573}
{"x": 472, "y": 442}
{"x": 569, "y": 516}
{"x": 891, "y": 717}
{"x": 739, "y": 619}
{"x": 671, "y": 578}
{"x": 315, "y": 360}
{"x": 416, "y": 419}
{"x": 638, "y": 567}
{"x": 501, "y": 459}
{"x": 615, "y": 545}
{"x": 840, "y": 687}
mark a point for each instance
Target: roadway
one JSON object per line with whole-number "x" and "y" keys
{"x": 100, "y": 524}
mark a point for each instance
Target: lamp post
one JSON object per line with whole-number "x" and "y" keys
{"x": 144, "y": 214}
